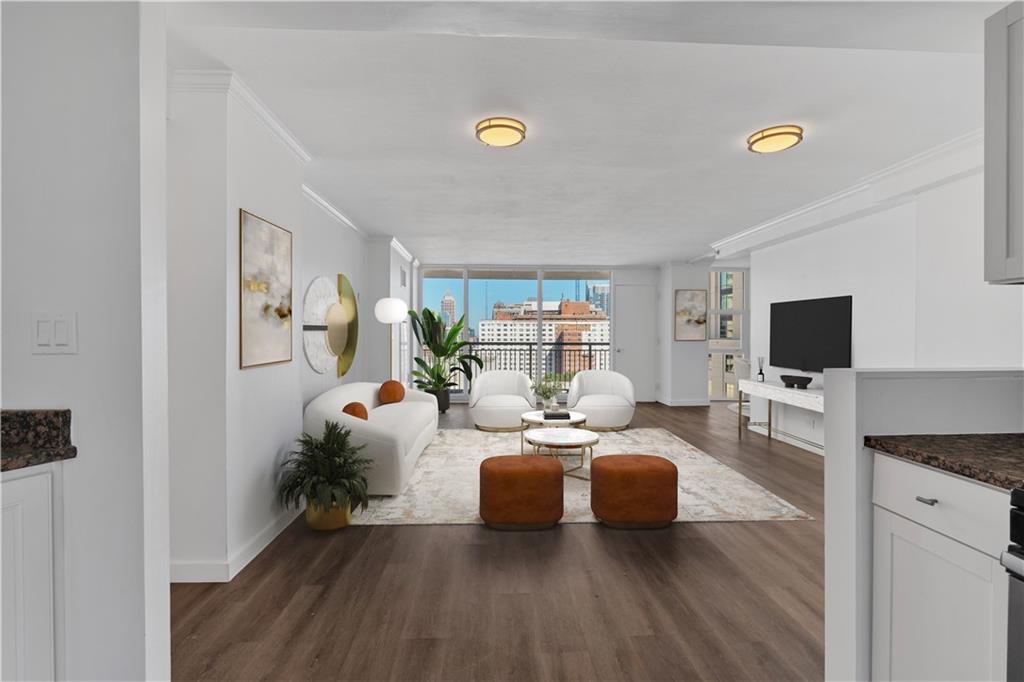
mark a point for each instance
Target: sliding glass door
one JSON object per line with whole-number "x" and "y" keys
{"x": 503, "y": 319}
{"x": 576, "y": 324}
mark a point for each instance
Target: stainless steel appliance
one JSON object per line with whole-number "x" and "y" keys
{"x": 1013, "y": 561}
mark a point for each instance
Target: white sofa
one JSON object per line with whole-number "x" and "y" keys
{"x": 394, "y": 434}
{"x": 498, "y": 399}
{"x": 606, "y": 398}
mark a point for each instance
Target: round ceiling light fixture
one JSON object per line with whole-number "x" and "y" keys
{"x": 775, "y": 139}
{"x": 500, "y": 131}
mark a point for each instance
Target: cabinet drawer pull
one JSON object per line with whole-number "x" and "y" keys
{"x": 930, "y": 501}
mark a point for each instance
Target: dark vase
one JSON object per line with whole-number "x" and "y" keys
{"x": 444, "y": 400}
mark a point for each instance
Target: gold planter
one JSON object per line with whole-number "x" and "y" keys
{"x": 334, "y": 518}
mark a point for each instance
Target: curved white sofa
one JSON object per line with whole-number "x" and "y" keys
{"x": 498, "y": 399}
{"x": 606, "y": 397}
{"x": 394, "y": 434}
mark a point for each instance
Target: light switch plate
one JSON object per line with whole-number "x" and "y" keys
{"x": 54, "y": 333}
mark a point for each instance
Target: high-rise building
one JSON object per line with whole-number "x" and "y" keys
{"x": 448, "y": 310}
{"x": 575, "y": 336}
{"x": 599, "y": 296}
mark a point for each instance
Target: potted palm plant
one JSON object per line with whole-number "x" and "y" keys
{"x": 450, "y": 355}
{"x": 327, "y": 473}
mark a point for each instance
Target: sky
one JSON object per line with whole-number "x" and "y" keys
{"x": 484, "y": 293}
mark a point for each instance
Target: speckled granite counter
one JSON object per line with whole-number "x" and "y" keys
{"x": 993, "y": 458}
{"x": 31, "y": 437}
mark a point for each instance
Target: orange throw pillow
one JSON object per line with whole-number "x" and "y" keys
{"x": 356, "y": 410}
{"x": 391, "y": 391}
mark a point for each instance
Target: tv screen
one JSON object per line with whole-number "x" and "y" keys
{"x": 811, "y": 335}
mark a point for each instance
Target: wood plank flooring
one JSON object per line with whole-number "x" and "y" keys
{"x": 718, "y": 601}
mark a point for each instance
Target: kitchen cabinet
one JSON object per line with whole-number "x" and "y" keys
{"x": 26, "y": 515}
{"x": 939, "y": 593}
{"x": 1004, "y": 146}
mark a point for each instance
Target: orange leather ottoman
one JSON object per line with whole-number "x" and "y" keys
{"x": 634, "y": 491}
{"x": 520, "y": 492}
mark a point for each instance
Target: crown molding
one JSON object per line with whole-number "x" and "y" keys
{"x": 960, "y": 157}
{"x": 402, "y": 251}
{"x": 329, "y": 208}
{"x": 228, "y": 82}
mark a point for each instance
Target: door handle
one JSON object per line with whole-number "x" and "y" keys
{"x": 930, "y": 501}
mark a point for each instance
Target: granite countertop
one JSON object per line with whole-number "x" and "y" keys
{"x": 993, "y": 458}
{"x": 31, "y": 437}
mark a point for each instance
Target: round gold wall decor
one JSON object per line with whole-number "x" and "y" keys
{"x": 330, "y": 324}
{"x": 347, "y": 316}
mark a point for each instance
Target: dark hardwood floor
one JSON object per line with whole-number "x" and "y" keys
{"x": 723, "y": 601}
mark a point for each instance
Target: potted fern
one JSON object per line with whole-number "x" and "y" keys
{"x": 328, "y": 473}
{"x": 449, "y": 357}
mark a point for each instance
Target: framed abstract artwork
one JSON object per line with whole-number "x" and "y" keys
{"x": 691, "y": 315}
{"x": 265, "y": 299}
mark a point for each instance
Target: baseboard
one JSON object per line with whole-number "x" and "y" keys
{"x": 225, "y": 571}
{"x": 259, "y": 542}
{"x": 782, "y": 437}
{"x": 685, "y": 403}
{"x": 199, "y": 572}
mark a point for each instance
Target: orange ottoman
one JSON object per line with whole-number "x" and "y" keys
{"x": 520, "y": 492}
{"x": 634, "y": 491}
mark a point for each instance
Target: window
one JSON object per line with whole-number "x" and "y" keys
{"x": 727, "y": 309}
{"x": 558, "y": 322}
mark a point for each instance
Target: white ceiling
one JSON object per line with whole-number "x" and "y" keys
{"x": 634, "y": 151}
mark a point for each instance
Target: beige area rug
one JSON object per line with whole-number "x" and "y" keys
{"x": 445, "y": 487}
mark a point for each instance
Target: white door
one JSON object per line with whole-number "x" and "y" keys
{"x": 939, "y": 607}
{"x": 27, "y": 569}
{"x": 635, "y": 352}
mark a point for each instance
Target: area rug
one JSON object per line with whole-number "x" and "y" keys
{"x": 445, "y": 486}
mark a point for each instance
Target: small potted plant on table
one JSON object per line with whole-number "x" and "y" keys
{"x": 450, "y": 355}
{"x": 327, "y": 473}
{"x": 548, "y": 391}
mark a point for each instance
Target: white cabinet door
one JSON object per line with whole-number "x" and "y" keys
{"x": 1004, "y": 145}
{"x": 27, "y": 578}
{"x": 940, "y": 607}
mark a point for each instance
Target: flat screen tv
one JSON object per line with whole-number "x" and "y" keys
{"x": 813, "y": 334}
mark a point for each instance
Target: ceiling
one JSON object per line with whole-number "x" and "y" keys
{"x": 636, "y": 113}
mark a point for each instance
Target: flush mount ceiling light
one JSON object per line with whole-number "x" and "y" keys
{"x": 500, "y": 131}
{"x": 775, "y": 139}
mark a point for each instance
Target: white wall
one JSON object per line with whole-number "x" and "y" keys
{"x": 197, "y": 254}
{"x": 231, "y": 428}
{"x": 264, "y": 404}
{"x": 71, "y": 243}
{"x": 683, "y": 365}
{"x": 919, "y": 296}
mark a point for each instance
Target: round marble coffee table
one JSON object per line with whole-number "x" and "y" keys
{"x": 535, "y": 418}
{"x": 557, "y": 441}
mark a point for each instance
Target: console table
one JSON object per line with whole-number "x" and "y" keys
{"x": 812, "y": 399}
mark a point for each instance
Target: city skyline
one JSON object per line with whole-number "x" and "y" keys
{"x": 483, "y": 294}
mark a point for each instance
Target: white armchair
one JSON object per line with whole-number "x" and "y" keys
{"x": 499, "y": 398}
{"x": 606, "y": 398}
